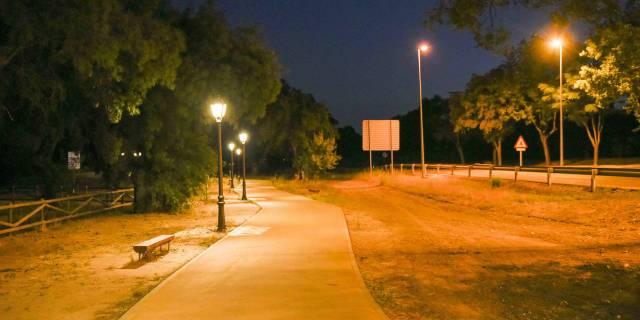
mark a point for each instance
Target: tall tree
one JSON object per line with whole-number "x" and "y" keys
{"x": 174, "y": 130}
{"x": 309, "y": 141}
{"x": 492, "y": 104}
{"x": 59, "y": 60}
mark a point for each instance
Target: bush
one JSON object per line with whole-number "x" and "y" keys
{"x": 495, "y": 182}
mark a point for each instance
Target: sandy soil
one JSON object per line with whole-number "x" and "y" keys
{"x": 455, "y": 248}
{"x": 86, "y": 269}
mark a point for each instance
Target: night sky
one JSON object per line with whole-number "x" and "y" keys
{"x": 359, "y": 56}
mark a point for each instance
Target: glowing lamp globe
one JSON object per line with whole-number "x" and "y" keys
{"x": 231, "y": 146}
{"x": 218, "y": 110}
{"x": 556, "y": 43}
{"x": 423, "y": 47}
{"x": 243, "y": 137}
{"x": 238, "y": 151}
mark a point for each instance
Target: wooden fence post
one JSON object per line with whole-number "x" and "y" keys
{"x": 490, "y": 171}
{"x": 453, "y": 168}
{"x": 549, "y": 172}
{"x": 13, "y": 201}
{"x": 438, "y": 168}
{"x": 469, "y": 172}
{"x": 594, "y": 173}
{"x": 43, "y": 225}
{"x": 515, "y": 174}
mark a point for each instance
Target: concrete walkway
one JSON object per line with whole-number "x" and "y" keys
{"x": 293, "y": 260}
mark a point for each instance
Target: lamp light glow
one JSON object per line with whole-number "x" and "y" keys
{"x": 238, "y": 151}
{"x": 232, "y": 146}
{"x": 243, "y": 137}
{"x": 218, "y": 110}
{"x": 424, "y": 48}
{"x": 556, "y": 43}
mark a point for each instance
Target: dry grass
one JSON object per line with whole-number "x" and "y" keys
{"x": 455, "y": 248}
{"x": 86, "y": 269}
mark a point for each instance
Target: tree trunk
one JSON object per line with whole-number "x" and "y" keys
{"x": 594, "y": 132}
{"x": 459, "y": 148}
{"x": 544, "y": 139}
{"x": 497, "y": 152}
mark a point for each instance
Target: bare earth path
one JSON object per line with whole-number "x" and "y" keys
{"x": 291, "y": 261}
{"x": 448, "y": 247}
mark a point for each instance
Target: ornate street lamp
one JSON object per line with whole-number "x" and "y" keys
{"x": 232, "y": 148}
{"x": 243, "y": 139}
{"x": 218, "y": 110}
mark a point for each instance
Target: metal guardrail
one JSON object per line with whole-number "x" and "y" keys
{"x": 24, "y": 215}
{"x": 550, "y": 170}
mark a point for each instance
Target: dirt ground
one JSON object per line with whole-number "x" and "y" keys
{"x": 86, "y": 269}
{"x": 455, "y": 248}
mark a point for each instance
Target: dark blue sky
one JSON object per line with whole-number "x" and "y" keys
{"x": 359, "y": 56}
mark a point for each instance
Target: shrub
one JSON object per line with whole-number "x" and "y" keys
{"x": 495, "y": 182}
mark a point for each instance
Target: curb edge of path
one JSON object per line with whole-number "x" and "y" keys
{"x": 354, "y": 264}
{"x": 174, "y": 273}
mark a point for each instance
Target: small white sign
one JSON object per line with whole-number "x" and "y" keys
{"x": 73, "y": 160}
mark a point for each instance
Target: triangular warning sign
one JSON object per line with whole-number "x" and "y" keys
{"x": 521, "y": 145}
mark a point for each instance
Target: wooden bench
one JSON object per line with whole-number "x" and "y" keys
{"x": 145, "y": 247}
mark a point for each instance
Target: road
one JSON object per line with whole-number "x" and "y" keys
{"x": 293, "y": 260}
{"x": 556, "y": 178}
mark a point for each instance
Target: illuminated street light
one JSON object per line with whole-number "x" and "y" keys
{"x": 243, "y": 139}
{"x": 232, "y": 148}
{"x": 218, "y": 110}
{"x": 422, "y": 49}
{"x": 557, "y": 43}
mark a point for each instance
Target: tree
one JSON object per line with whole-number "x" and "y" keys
{"x": 60, "y": 60}
{"x": 309, "y": 141}
{"x": 612, "y": 72}
{"x": 529, "y": 71}
{"x": 491, "y": 104}
{"x": 482, "y": 17}
{"x": 456, "y": 112}
{"x": 175, "y": 131}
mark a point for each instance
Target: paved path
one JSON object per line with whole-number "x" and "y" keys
{"x": 293, "y": 260}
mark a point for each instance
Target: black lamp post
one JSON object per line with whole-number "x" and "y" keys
{"x": 238, "y": 152}
{"x": 232, "y": 148}
{"x": 243, "y": 139}
{"x": 218, "y": 110}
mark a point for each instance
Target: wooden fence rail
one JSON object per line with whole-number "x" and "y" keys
{"x": 24, "y": 215}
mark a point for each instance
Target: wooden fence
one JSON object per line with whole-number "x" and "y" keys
{"x": 24, "y": 215}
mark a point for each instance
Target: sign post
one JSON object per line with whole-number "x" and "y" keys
{"x": 521, "y": 146}
{"x": 380, "y": 135}
{"x": 73, "y": 164}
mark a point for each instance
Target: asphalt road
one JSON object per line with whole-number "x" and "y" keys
{"x": 556, "y": 178}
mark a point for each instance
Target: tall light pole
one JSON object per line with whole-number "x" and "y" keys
{"x": 243, "y": 139}
{"x": 558, "y": 43}
{"x": 232, "y": 148}
{"x": 423, "y": 48}
{"x": 218, "y": 110}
